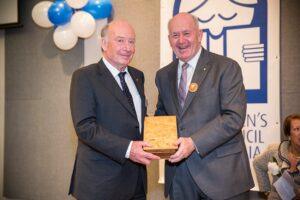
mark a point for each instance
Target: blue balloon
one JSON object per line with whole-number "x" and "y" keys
{"x": 60, "y": 13}
{"x": 99, "y": 9}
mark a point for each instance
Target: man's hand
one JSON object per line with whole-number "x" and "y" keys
{"x": 137, "y": 154}
{"x": 186, "y": 147}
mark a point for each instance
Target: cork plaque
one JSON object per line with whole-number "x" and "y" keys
{"x": 161, "y": 133}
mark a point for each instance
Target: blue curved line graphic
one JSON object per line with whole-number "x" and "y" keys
{"x": 227, "y": 18}
{"x": 206, "y": 20}
{"x": 200, "y": 5}
{"x": 249, "y": 5}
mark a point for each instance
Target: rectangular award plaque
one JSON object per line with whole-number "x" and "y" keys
{"x": 161, "y": 133}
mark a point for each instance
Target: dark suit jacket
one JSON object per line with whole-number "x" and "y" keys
{"x": 104, "y": 123}
{"x": 213, "y": 116}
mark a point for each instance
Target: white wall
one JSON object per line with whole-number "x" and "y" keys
{"x": 2, "y": 93}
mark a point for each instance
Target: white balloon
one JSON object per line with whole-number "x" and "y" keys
{"x": 64, "y": 38}
{"x": 77, "y": 3}
{"x": 83, "y": 24}
{"x": 40, "y": 14}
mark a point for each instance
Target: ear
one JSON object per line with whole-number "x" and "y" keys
{"x": 200, "y": 32}
{"x": 170, "y": 38}
{"x": 104, "y": 43}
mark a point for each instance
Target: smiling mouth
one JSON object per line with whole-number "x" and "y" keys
{"x": 126, "y": 56}
{"x": 182, "y": 48}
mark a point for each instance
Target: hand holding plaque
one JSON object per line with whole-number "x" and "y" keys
{"x": 161, "y": 133}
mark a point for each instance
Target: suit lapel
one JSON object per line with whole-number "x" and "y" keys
{"x": 112, "y": 86}
{"x": 199, "y": 74}
{"x": 137, "y": 81}
{"x": 139, "y": 85}
{"x": 173, "y": 85}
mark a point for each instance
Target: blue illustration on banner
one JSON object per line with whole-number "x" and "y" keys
{"x": 237, "y": 29}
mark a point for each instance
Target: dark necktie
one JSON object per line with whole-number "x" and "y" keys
{"x": 126, "y": 91}
{"x": 182, "y": 85}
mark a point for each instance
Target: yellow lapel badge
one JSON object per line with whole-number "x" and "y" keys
{"x": 193, "y": 87}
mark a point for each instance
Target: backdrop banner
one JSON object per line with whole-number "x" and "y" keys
{"x": 248, "y": 32}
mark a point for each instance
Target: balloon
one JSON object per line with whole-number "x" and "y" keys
{"x": 60, "y": 13}
{"x": 83, "y": 24}
{"x": 77, "y": 3}
{"x": 40, "y": 14}
{"x": 98, "y": 8}
{"x": 64, "y": 38}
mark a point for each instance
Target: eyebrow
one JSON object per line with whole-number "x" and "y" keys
{"x": 122, "y": 37}
{"x": 184, "y": 31}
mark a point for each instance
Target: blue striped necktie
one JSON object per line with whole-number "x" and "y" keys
{"x": 125, "y": 89}
{"x": 182, "y": 85}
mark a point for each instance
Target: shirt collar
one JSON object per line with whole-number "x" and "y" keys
{"x": 193, "y": 62}
{"x": 114, "y": 71}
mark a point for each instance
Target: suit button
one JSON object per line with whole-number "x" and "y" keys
{"x": 181, "y": 128}
{"x": 136, "y": 126}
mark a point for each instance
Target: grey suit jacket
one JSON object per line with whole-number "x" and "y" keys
{"x": 213, "y": 116}
{"x": 104, "y": 123}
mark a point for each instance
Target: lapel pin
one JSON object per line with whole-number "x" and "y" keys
{"x": 204, "y": 68}
{"x": 193, "y": 87}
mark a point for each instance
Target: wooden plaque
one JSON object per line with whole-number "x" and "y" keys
{"x": 161, "y": 133}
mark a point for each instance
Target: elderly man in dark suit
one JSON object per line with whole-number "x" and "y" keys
{"x": 108, "y": 109}
{"x": 206, "y": 93}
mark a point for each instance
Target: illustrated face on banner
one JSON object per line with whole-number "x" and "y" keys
{"x": 215, "y": 15}
{"x": 236, "y": 29}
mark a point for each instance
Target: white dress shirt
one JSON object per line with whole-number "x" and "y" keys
{"x": 190, "y": 70}
{"x": 134, "y": 93}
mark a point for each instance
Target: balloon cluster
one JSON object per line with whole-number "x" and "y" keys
{"x": 71, "y": 18}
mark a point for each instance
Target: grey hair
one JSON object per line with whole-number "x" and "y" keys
{"x": 195, "y": 19}
{"x": 104, "y": 33}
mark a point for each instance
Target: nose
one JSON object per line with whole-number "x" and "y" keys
{"x": 181, "y": 38}
{"x": 128, "y": 46}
